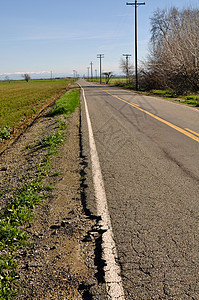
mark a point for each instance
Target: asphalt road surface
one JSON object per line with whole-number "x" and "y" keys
{"x": 148, "y": 150}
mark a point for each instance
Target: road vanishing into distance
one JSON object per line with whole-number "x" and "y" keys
{"x": 147, "y": 150}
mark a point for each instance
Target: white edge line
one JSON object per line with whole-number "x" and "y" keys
{"x": 112, "y": 269}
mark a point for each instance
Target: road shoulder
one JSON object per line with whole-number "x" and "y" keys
{"x": 59, "y": 262}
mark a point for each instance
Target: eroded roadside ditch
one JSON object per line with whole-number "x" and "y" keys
{"x": 58, "y": 258}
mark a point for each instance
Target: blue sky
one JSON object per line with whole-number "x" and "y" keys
{"x": 62, "y": 35}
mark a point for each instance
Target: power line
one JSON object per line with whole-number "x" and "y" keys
{"x": 100, "y": 56}
{"x": 136, "y": 4}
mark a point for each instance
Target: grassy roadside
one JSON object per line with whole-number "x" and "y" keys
{"x": 66, "y": 104}
{"x": 191, "y": 99}
{"x": 21, "y": 210}
{"x": 19, "y": 100}
{"x": 112, "y": 81}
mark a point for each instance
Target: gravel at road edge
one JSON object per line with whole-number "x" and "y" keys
{"x": 59, "y": 264}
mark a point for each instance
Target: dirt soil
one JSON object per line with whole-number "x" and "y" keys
{"x": 59, "y": 263}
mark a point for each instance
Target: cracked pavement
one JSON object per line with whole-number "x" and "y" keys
{"x": 151, "y": 175}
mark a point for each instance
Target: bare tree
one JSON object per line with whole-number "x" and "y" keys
{"x": 26, "y": 77}
{"x": 127, "y": 68}
{"x": 7, "y": 78}
{"x": 174, "y": 55}
{"x": 108, "y": 76}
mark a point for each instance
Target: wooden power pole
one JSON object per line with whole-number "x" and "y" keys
{"x": 136, "y": 4}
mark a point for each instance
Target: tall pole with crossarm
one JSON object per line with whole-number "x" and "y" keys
{"x": 127, "y": 66}
{"x": 136, "y": 4}
{"x": 100, "y": 56}
{"x": 91, "y": 71}
{"x": 88, "y": 72}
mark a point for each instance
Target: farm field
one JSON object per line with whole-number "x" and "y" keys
{"x": 20, "y": 100}
{"x": 113, "y": 80}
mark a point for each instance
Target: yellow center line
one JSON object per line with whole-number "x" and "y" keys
{"x": 190, "y": 135}
{"x": 192, "y": 131}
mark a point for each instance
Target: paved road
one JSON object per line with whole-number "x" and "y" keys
{"x": 149, "y": 155}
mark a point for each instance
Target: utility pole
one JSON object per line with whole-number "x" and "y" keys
{"x": 100, "y": 56}
{"x": 127, "y": 65}
{"x": 51, "y": 74}
{"x": 96, "y": 74}
{"x": 74, "y": 74}
{"x": 88, "y": 72}
{"x": 136, "y": 4}
{"x": 91, "y": 71}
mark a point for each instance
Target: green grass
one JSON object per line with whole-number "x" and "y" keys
{"x": 117, "y": 81}
{"x": 66, "y": 104}
{"x": 5, "y": 133}
{"x": 17, "y": 213}
{"x": 13, "y": 236}
{"x": 190, "y": 99}
{"x": 57, "y": 173}
{"x": 52, "y": 142}
{"x": 164, "y": 93}
{"x": 113, "y": 80}
{"x": 61, "y": 124}
{"x": 21, "y": 99}
{"x": 8, "y": 277}
{"x": 49, "y": 188}
{"x": 21, "y": 209}
{"x": 121, "y": 82}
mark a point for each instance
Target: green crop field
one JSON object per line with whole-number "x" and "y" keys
{"x": 113, "y": 80}
{"x": 21, "y": 99}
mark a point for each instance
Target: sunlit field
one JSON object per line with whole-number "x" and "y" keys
{"x": 20, "y": 99}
